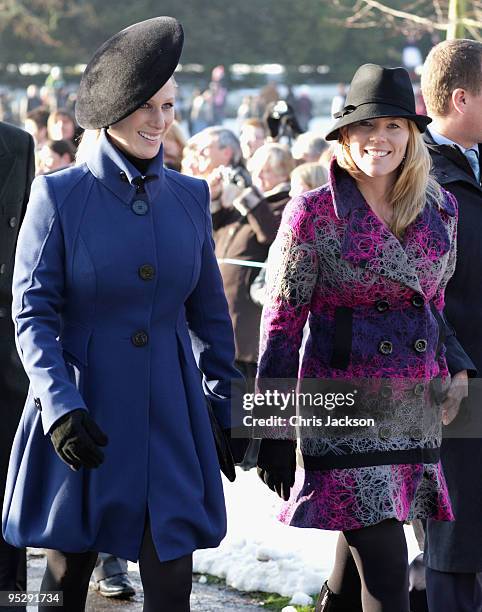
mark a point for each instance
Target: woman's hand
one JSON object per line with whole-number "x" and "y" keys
{"x": 277, "y": 465}
{"x": 76, "y": 439}
{"x": 459, "y": 388}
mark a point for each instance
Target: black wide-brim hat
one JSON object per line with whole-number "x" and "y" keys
{"x": 378, "y": 92}
{"x": 127, "y": 70}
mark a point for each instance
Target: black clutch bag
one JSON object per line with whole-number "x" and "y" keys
{"x": 225, "y": 457}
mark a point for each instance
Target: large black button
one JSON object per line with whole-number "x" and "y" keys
{"x": 384, "y": 432}
{"x": 12, "y": 222}
{"x": 419, "y": 389}
{"x": 382, "y": 305}
{"x": 3, "y": 313}
{"x": 417, "y": 300}
{"x": 386, "y": 392}
{"x": 147, "y": 272}
{"x": 415, "y": 433}
{"x": 3, "y": 268}
{"x": 123, "y": 177}
{"x": 385, "y": 347}
{"x": 38, "y": 403}
{"x": 140, "y": 338}
{"x": 420, "y": 345}
{"x": 140, "y": 207}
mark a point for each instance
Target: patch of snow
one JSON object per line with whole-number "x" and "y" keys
{"x": 261, "y": 554}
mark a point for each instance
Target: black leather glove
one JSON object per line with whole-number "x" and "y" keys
{"x": 277, "y": 465}
{"x": 76, "y": 439}
{"x": 238, "y": 446}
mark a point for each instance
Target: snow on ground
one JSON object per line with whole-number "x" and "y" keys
{"x": 261, "y": 554}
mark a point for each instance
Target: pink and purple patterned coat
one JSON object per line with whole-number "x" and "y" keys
{"x": 337, "y": 265}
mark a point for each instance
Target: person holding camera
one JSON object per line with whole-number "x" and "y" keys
{"x": 245, "y": 225}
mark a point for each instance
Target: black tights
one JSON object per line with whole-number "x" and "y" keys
{"x": 167, "y": 585}
{"x": 372, "y": 565}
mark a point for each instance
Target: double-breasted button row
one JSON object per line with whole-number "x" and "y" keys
{"x": 140, "y": 338}
{"x": 147, "y": 272}
{"x": 416, "y": 300}
{"x": 385, "y": 347}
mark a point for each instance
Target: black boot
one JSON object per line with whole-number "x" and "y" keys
{"x": 330, "y": 602}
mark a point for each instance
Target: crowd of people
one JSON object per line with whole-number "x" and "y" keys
{"x": 148, "y": 278}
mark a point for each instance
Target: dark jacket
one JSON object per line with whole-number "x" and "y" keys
{"x": 456, "y": 546}
{"x": 16, "y": 174}
{"x": 247, "y": 237}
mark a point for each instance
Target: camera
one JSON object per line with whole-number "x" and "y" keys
{"x": 281, "y": 121}
{"x": 237, "y": 176}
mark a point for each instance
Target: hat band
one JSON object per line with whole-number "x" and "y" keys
{"x": 347, "y": 110}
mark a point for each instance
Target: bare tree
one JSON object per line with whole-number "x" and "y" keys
{"x": 417, "y": 18}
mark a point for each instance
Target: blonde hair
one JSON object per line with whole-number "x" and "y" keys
{"x": 312, "y": 174}
{"x": 176, "y": 134}
{"x": 87, "y": 141}
{"x": 414, "y": 184}
{"x": 274, "y": 155}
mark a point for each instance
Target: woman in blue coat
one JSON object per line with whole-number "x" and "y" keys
{"x": 118, "y": 307}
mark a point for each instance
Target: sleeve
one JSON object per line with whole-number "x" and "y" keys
{"x": 291, "y": 275}
{"x": 211, "y": 330}
{"x": 455, "y": 356}
{"x": 38, "y": 296}
{"x": 263, "y": 217}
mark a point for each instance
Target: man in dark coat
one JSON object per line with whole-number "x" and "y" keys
{"x": 16, "y": 174}
{"x": 452, "y": 89}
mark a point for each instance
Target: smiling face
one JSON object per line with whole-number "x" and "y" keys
{"x": 377, "y": 146}
{"x": 141, "y": 133}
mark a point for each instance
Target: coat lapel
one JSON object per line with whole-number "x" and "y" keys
{"x": 7, "y": 161}
{"x": 368, "y": 243}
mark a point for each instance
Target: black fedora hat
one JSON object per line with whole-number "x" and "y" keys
{"x": 378, "y": 92}
{"x": 127, "y": 70}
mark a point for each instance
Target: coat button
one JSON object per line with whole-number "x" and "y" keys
{"x": 140, "y": 338}
{"x": 140, "y": 207}
{"x": 123, "y": 177}
{"x": 147, "y": 272}
{"x": 386, "y": 392}
{"x": 3, "y": 268}
{"x": 417, "y": 300}
{"x": 385, "y": 347}
{"x": 382, "y": 305}
{"x": 415, "y": 433}
{"x": 3, "y": 313}
{"x": 12, "y": 222}
{"x": 420, "y": 345}
{"x": 384, "y": 432}
{"x": 419, "y": 389}
{"x": 38, "y": 403}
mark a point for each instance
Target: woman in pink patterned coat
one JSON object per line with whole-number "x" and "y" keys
{"x": 365, "y": 259}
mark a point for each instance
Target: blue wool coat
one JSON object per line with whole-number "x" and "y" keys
{"x": 114, "y": 286}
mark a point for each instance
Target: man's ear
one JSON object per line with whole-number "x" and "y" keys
{"x": 458, "y": 100}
